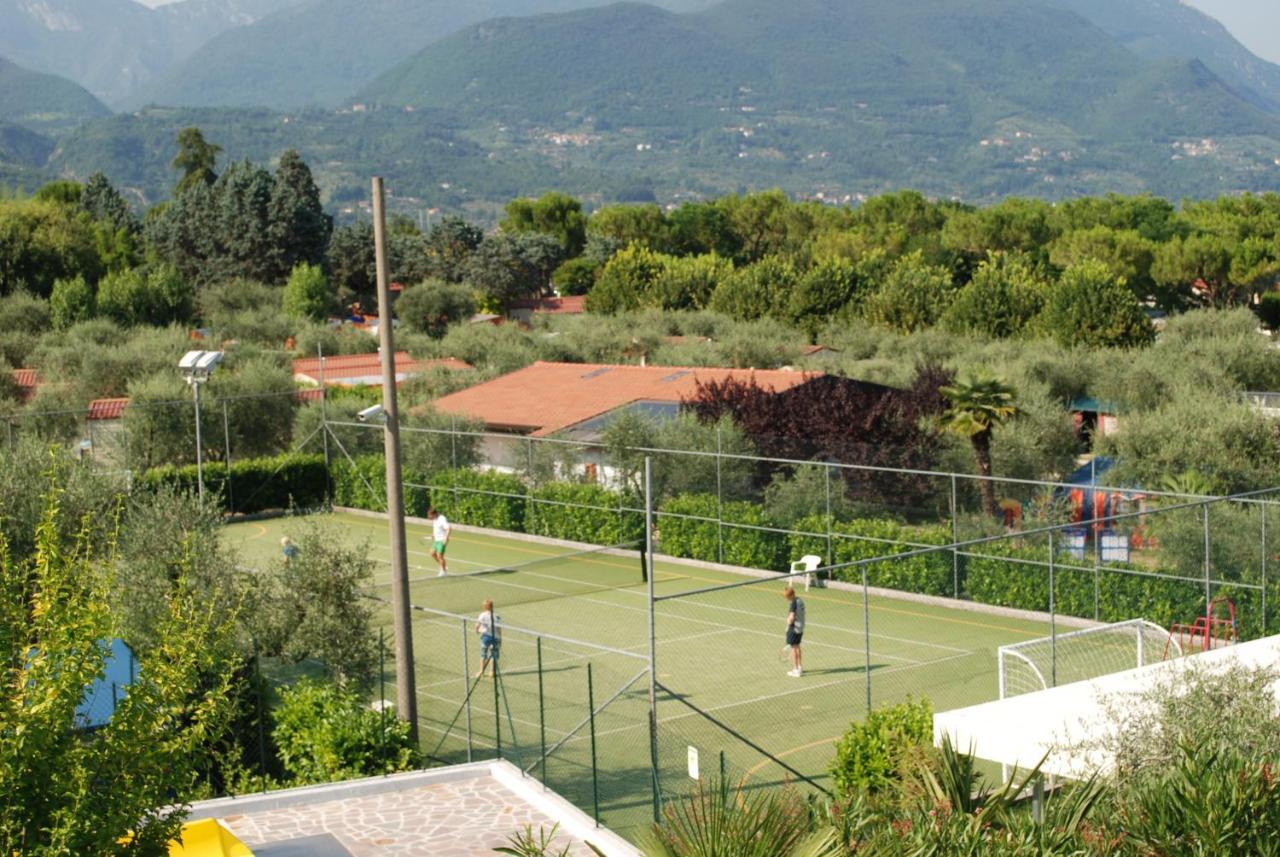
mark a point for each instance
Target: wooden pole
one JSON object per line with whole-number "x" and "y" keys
{"x": 406, "y": 689}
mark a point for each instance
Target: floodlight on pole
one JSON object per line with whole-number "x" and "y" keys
{"x": 197, "y": 368}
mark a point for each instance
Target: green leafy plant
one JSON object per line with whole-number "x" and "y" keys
{"x": 869, "y": 755}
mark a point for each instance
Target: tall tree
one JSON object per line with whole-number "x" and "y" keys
{"x": 101, "y": 201}
{"x": 554, "y": 214}
{"x": 299, "y": 227}
{"x": 976, "y": 407}
{"x": 197, "y": 159}
{"x": 449, "y": 245}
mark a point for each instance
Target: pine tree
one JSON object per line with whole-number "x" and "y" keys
{"x": 299, "y": 227}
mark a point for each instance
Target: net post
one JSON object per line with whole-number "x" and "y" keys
{"x": 542, "y": 719}
{"x": 595, "y": 775}
{"x": 497, "y": 713}
{"x": 653, "y": 641}
{"x": 466, "y": 684}
{"x": 866, "y": 636}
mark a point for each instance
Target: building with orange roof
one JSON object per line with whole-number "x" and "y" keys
{"x": 27, "y": 381}
{"x": 523, "y": 311}
{"x": 363, "y": 370}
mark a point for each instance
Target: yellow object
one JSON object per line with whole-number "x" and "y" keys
{"x": 207, "y": 838}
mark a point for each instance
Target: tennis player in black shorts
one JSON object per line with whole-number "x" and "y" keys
{"x": 795, "y": 629}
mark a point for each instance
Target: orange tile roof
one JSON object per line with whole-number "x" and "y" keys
{"x": 354, "y": 369}
{"x": 107, "y": 409}
{"x": 571, "y": 305}
{"x": 26, "y": 378}
{"x": 546, "y": 397}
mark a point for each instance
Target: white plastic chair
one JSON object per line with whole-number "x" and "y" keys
{"x": 805, "y": 565}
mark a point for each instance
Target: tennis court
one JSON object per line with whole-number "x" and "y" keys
{"x": 718, "y": 654}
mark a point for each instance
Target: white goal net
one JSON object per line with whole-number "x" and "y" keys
{"x": 1081, "y": 655}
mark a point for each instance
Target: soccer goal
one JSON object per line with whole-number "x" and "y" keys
{"x": 1080, "y": 655}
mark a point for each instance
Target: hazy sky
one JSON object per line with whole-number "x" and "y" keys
{"x": 1256, "y": 23}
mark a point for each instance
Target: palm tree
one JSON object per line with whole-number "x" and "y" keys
{"x": 978, "y": 405}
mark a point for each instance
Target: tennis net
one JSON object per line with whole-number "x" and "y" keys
{"x": 565, "y": 575}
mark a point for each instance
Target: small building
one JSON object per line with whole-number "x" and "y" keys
{"x": 104, "y": 424}
{"x": 1094, "y": 419}
{"x": 27, "y": 381}
{"x": 580, "y": 400}
{"x": 523, "y": 311}
{"x": 364, "y": 370}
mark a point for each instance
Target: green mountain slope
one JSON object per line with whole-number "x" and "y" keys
{"x": 44, "y": 102}
{"x": 1170, "y": 29}
{"x": 321, "y": 51}
{"x": 113, "y": 46}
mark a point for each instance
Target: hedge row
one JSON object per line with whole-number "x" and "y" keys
{"x": 252, "y": 485}
{"x": 362, "y": 484}
{"x": 583, "y": 512}
{"x": 867, "y": 538}
{"x": 685, "y": 531}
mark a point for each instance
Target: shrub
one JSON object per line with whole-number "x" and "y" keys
{"x": 256, "y": 484}
{"x": 362, "y": 484}
{"x": 432, "y": 305}
{"x": 865, "y": 538}
{"x": 480, "y": 498}
{"x": 307, "y": 294}
{"x": 870, "y": 753}
{"x": 704, "y": 540}
{"x": 1269, "y": 310}
{"x": 71, "y": 302}
{"x": 583, "y": 513}
{"x": 998, "y": 577}
{"x": 325, "y": 734}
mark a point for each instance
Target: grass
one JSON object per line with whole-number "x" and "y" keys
{"x": 719, "y": 651}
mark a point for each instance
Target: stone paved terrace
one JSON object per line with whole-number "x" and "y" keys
{"x": 462, "y": 811}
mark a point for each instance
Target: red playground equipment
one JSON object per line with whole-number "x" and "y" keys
{"x": 1215, "y": 629}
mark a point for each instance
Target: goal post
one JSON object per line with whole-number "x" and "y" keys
{"x": 1080, "y": 655}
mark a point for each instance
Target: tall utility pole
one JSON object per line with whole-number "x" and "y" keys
{"x": 406, "y": 689}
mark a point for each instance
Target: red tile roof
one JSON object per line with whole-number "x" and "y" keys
{"x": 107, "y": 409}
{"x": 313, "y": 394}
{"x": 572, "y": 305}
{"x": 358, "y": 369}
{"x": 547, "y": 397}
{"x": 27, "y": 381}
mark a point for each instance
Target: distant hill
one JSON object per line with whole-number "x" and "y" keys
{"x": 319, "y": 52}
{"x": 44, "y": 102}
{"x": 965, "y": 97}
{"x": 113, "y": 46}
{"x": 1170, "y": 29}
{"x": 21, "y": 146}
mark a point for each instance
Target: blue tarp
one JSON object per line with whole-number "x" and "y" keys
{"x": 101, "y": 697}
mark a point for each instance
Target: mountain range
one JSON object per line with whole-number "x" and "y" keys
{"x": 467, "y": 103}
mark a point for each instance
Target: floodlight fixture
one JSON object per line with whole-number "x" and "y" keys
{"x": 197, "y": 367}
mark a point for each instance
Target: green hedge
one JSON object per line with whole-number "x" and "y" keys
{"x": 865, "y": 538}
{"x": 256, "y": 484}
{"x": 480, "y": 498}
{"x": 557, "y": 510}
{"x": 699, "y": 539}
{"x": 363, "y": 485}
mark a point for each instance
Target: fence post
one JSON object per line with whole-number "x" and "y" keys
{"x": 724, "y": 783}
{"x": 226, "y": 439}
{"x": 1263, "y": 508}
{"x": 1097, "y": 570}
{"x": 1208, "y": 590}
{"x": 595, "y": 777}
{"x": 542, "y": 719}
{"x": 719, "y": 501}
{"x": 532, "y": 525}
{"x": 653, "y": 641}
{"x": 831, "y": 552}
{"x": 262, "y": 737}
{"x": 1053, "y": 619}
{"x": 466, "y": 684}
{"x": 497, "y": 713}
{"x": 955, "y": 538}
{"x": 382, "y": 697}
{"x": 866, "y": 635}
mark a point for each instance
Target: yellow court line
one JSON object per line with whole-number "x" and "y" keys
{"x": 898, "y": 611}
{"x": 754, "y": 768}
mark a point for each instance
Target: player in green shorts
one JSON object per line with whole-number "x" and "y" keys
{"x": 441, "y": 529}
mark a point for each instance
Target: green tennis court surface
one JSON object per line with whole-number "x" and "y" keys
{"x": 720, "y": 652}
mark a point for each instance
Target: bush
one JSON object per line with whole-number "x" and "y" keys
{"x": 593, "y": 516}
{"x": 307, "y": 294}
{"x": 735, "y": 545}
{"x": 256, "y": 484}
{"x": 71, "y": 302}
{"x": 870, "y": 753}
{"x": 431, "y": 306}
{"x": 480, "y": 498}
{"x": 1269, "y": 310}
{"x": 997, "y": 577}
{"x": 325, "y": 734}
{"x": 363, "y": 485}
{"x": 865, "y": 538}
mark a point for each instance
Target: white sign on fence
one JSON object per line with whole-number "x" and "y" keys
{"x": 693, "y": 763}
